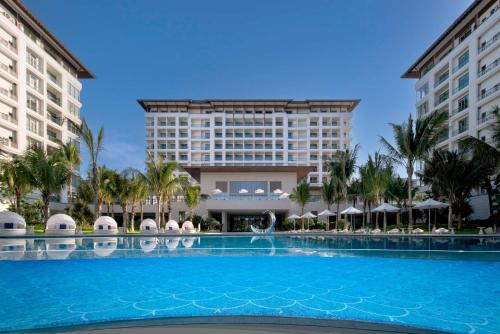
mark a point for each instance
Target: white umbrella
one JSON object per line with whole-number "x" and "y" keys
{"x": 327, "y": 213}
{"x": 308, "y": 215}
{"x": 430, "y": 204}
{"x": 216, "y": 191}
{"x": 259, "y": 191}
{"x": 243, "y": 191}
{"x": 351, "y": 211}
{"x": 293, "y": 218}
{"x": 386, "y": 208}
{"x": 278, "y": 191}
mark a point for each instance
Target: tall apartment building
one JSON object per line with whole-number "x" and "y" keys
{"x": 39, "y": 84}
{"x": 250, "y": 152}
{"x": 459, "y": 74}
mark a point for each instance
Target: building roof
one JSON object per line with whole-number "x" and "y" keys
{"x": 212, "y": 103}
{"x": 195, "y": 171}
{"x": 25, "y": 15}
{"x": 476, "y": 7}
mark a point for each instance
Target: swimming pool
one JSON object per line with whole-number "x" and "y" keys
{"x": 448, "y": 284}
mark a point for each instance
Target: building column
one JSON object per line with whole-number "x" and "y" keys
{"x": 224, "y": 221}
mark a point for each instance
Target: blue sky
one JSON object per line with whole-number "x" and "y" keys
{"x": 296, "y": 49}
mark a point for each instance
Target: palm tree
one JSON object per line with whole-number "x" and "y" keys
{"x": 192, "y": 198}
{"x": 94, "y": 145}
{"x": 414, "y": 143}
{"x": 124, "y": 195}
{"x": 396, "y": 191}
{"x": 106, "y": 190}
{"x": 301, "y": 195}
{"x": 328, "y": 194}
{"x": 365, "y": 193}
{"x": 453, "y": 176}
{"x": 139, "y": 193}
{"x": 162, "y": 181}
{"x": 15, "y": 180}
{"x": 47, "y": 173}
{"x": 71, "y": 156}
{"x": 342, "y": 168}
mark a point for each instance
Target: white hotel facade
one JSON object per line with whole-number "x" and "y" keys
{"x": 459, "y": 74}
{"x": 262, "y": 146}
{"x": 39, "y": 84}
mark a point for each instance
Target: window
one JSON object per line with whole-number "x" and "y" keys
{"x": 72, "y": 127}
{"x": 421, "y": 93}
{"x": 273, "y": 185}
{"x": 463, "y": 59}
{"x": 463, "y": 125}
{"x": 74, "y": 109}
{"x": 34, "y": 60}
{"x": 463, "y": 81}
{"x": 34, "y": 103}
{"x": 73, "y": 92}
{"x": 33, "y": 81}
{"x": 221, "y": 185}
{"x": 463, "y": 103}
{"x": 33, "y": 125}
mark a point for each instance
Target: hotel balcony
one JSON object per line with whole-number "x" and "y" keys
{"x": 488, "y": 92}
{"x": 485, "y": 45}
{"x": 459, "y": 131}
{"x": 488, "y": 68}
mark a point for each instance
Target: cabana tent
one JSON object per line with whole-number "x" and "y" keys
{"x": 172, "y": 227}
{"x": 188, "y": 227}
{"x": 148, "y": 226}
{"x": 12, "y": 224}
{"x": 60, "y": 224}
{"x": 105, "y": 246}
{"x": 105, "y": 225}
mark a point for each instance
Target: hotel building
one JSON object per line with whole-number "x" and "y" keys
{"x": 39, "y": 84}
{"x": 247, "y": 155}
{"x": 459, "y": 74}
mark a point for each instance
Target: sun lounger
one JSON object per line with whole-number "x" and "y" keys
{"x": 393, "y": 231}
{"x": 417, "y": 231}
{"x": 441, "y": 231}
{"x": 376, "y": 231}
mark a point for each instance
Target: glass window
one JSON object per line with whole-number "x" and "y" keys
{"x": 33, "y": 103}
{"x": 251, "y": 186}
{"x": 73, "y": 92}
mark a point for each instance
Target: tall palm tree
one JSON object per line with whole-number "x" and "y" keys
{"x": 396, "y": 192}
{"x": 453, "y": 176}
{"x": 71, "y": 156}
{"x": 139, "y": 193}
{"x": 365, "y": 192}
{"x": 15, "y": 180}
{"x": 414, "y": 142}
{"x": 192, "y": 198}
{"x": 94, "y": 145}
{"x": 48, "y": 173}
{"x": 328, "y": 194}
{"x": 342, "y": 168}
{"x": 301, "y": 195}
{"x": 162, "y": 182}
{"x": 124, "y": 195}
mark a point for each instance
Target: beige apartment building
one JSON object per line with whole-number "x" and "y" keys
{"x": 459, "y": 74}
{"x": 248, "y": 155}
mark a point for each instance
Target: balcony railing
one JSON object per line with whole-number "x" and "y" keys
{"x": 11, "y": 46}
{"x": 460, "y": 130}
{"x": 488, "y": 43}
{"x": 487, "y": 118}
{"x": 489, "y": 67}
{"x": 459, "y": 88}
{"x": 488, "y": 92}
{"x": 247, "y": 197}
{"x": 9, "y": 69}
{"x": 8, "y": 117}
{"x": 460, "y": 66}
{"x": 458, "y": 110}
{"x": 9, "y": 93}
{"x": 442, "y": 79}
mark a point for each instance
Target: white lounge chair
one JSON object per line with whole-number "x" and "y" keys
{"x": 417, "y": 231}
{"x": 361, "y": 231}
{"x": 376, "y": 231}
{"x": 393, "y": 231}
{"x": 488, "y": 230}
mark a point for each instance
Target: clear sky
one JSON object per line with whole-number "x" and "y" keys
{"x": 298, "y": 49}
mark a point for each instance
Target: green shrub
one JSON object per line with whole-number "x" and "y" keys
{"x": 213, "y": 224}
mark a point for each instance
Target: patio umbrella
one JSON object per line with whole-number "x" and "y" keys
{"x": 308, "y": 215}
{"x": 386, "y": 208}
{"x": 243, "y": 191}
{"x": 293, "y": 218}
{"x": 351, "y": 211}
{"x": 430, "y": 204}
{"x": 259, "y": 191}
{"x": 327, "y": 213}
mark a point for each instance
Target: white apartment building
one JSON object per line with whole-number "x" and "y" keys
{"x": 459, "y": 74}
{"x": 39, "y": 84}
{"x": 249, "y": 151}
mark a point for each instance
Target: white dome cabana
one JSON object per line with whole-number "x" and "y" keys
{"x": 60, "y": 224}
{"x": 105, "y": 225}
{"x": 172, "y": 227}
{"x": 172, "y": 243}
{"x": 148, "y": 226}
{"x": 105, "y": 246}
{"x": 188, "y": 242}
{"x": 188, "y": 227}
{"x": 60, "y": 248}
{"x": 12, "y": 224}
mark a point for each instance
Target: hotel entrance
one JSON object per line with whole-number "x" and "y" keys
{"x": 242, "y": 222}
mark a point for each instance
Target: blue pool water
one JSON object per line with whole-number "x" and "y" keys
{"x": 445, "y": 284}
